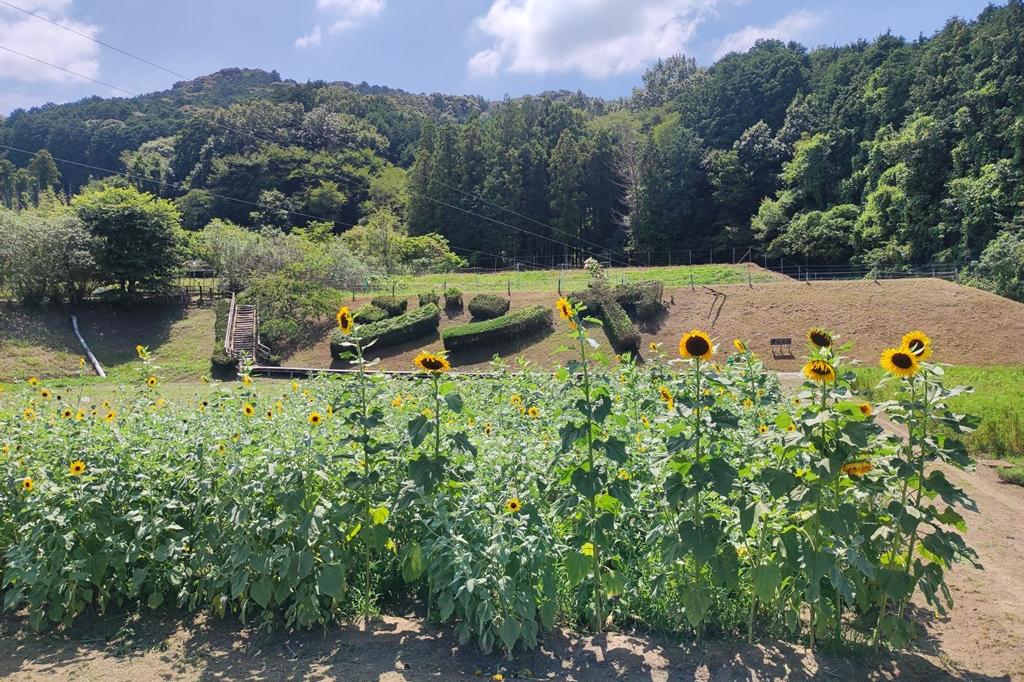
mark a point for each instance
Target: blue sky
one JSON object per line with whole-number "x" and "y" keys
{"x": 486, "y": 47}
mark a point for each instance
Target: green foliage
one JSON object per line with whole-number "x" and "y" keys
{"x": 369, "y": 313}
{"x": 428, "y": 297}
{"x": 1012, "y": 474}
{"x": 392, "y": 306}
{"x": 506, "y": 328}
{"x": 392, "y": 331}
{"x": 221, "y": 364}
{"x": 47, "y": 259}
{"x": 487, "y": 306}
{"x": 292, "y": 312}
{"x": 642, "y": 300}
{"x": 452, "y": 298}
{"x": 1001, "y": 266}
{"x": 139, "y": 236}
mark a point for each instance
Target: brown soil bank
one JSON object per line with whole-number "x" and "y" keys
{"x": 968, "y": 326}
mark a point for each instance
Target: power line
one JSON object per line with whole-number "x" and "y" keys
{"x": 61, "y": 68}
{"x": 95, "y": 40}
{"x": 256, "y": 137}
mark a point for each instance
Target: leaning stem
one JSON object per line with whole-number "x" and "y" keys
{"x": 592, "y": 504}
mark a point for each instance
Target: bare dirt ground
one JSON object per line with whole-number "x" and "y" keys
{"x": 968, "y": 325}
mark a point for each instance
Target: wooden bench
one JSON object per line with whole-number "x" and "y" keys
{"x": 781, "y": 347}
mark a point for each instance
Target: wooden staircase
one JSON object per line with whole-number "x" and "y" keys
{"x": 242, "y": 339}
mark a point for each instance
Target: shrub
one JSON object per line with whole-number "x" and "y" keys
{"x": 393, "y": 306}
{"x": 429, "y": 297}
{"x": 622, "y": 332}
{"x": 453, "y": 298}
{"x": 221, "y": 364}
{"x": 1014, "y": 474}
{"x": 369, "y": 313}
{"x": 394, "y": 330}
{"x": 510, "y": 327}
{"x": 642, "y": 300}
{"x": 488, "y": 306}
{"x": 292, "y": 312}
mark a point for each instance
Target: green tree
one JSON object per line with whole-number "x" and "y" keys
{"x": 138, "y": 235}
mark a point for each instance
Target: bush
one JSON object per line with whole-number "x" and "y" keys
{"x": 292, "y": 312}
{"x": 369, "y": 313}
{"x": 429, "y": 297}
{"x": 510, "y": 327}
{"x": 394, "y": 330}
{"x": 390, "y": 305}
{"x": 1014, "y": 474}
{"x": 488, "y": 306}
{"x": 453, "y": 298}
{"x": 621, "y": 330}
{"x": 642, "y": 300}
{"x": 221, "y": 364}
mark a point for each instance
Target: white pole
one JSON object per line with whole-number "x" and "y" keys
{"x": 88, "y": 353}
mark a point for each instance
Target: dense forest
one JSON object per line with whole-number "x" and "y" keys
{"x": 882, "y": 153}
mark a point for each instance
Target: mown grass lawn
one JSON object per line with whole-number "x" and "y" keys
{"x": 577, "y": 278}
{"x": 998, "y": 399}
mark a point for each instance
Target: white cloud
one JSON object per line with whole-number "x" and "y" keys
{"x": 789, "y": 27}
{"x": 598, "y": 38}
{"x": 350, "y": 13}
{"x": 46, "y": 42}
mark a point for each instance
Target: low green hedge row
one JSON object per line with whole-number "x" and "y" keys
{"x": 642, "y": 300}
{"x": 394, "y": 330}
{"x": 487, "y": 306}
{"x": 221, "y": 365}
{"x": 392, "y": 306}
{"x": 621, "y": 330}
{"x": 510, "y": 327}
{"x": 429, "y": 297}
{"x": 369, "y": 313}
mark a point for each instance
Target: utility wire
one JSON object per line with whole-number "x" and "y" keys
{"x": 61, "y": 68}
{"x": 95, "y": 40}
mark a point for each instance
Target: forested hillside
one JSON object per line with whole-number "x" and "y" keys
{"x": 883, "y": 153}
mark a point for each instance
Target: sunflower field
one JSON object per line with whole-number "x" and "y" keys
{"x": 684, "y": 495}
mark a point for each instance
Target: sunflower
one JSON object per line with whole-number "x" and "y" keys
{"x": 203, "y": 404}
{"x": 397, "y": 401}
{"x": 820, "y": 371}
{"x": 748, "y": 403}
{"x": 899, "y": 361}
{"x": 344, "y": 318}
{"x": 513, "y": 505}
{"x": 666, "y": 396}
{"x": 77, "y": 468}
{"x": 220, "y": 448}
{"x": 248, "y": 410}
{"x": 45, "y": 394}
{"x": 918, "y": 343}
{"x": 623, "y": 475}
{"x": 820, "y": 337}
{"x": 857, "y": 468}
{"x": 32, "y": 381}
{"x": 246, "y": 380}
{"x": 654, "y": 346}
{"x": 791, "y": 428}
{"x": 696, "y": 344}
{"x": 487, "y": 429}
{"x": 865, "y": 409}
{"x": 27, "y": 484}
{"x": 739, "y": 346}
{"x": 533, "y": 412}
{"x": 516, "y": 399}
{"x": 314, "y": 418}
{"x": 645, "y": 421}
{"x": 565, "y": 309}
{"x": 140, "y": 350}
{"x": 270, "y": 415}
{"x": 435, "y": 363}
{"x": 67, "y": 413}
{"x": 151, "y": 382}
{"x": 80, "y": 415}
{"x": 762, "y": 429}
{"x": 109, "y": 417}
{"x": 29, "y": 414}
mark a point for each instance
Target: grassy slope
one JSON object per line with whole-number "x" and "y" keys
{"x": 998, "y": 398}
{"x": 548, "y": 280}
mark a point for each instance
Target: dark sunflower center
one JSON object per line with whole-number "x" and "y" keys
{"x": 432, "y": 364}
{"x": 902, "y": 360}
{"x": 821, "y": 339}
{"x": 344, "y": 320}
{"x": 821, "y": 370}
{"x": 696, "y": 345}
{"x": 916, "y": 346}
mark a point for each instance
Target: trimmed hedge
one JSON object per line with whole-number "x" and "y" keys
{"x": 487, "y": 306}
{"x": 221, "y": 365}
{"x": 429, "y": 297}
{"x": 453, "y": 298}
{"x": 392, "y": 306}
{"x": 394, "y": 330}
{"x": 509, "y": 327}
{"x": 369, "y": 313}
{"x": 622, "y": 332}
{"x": 642, "y": 300}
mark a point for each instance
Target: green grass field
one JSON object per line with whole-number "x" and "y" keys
{"x": 548, "y": 280}
{"x": 998, "y": 399}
